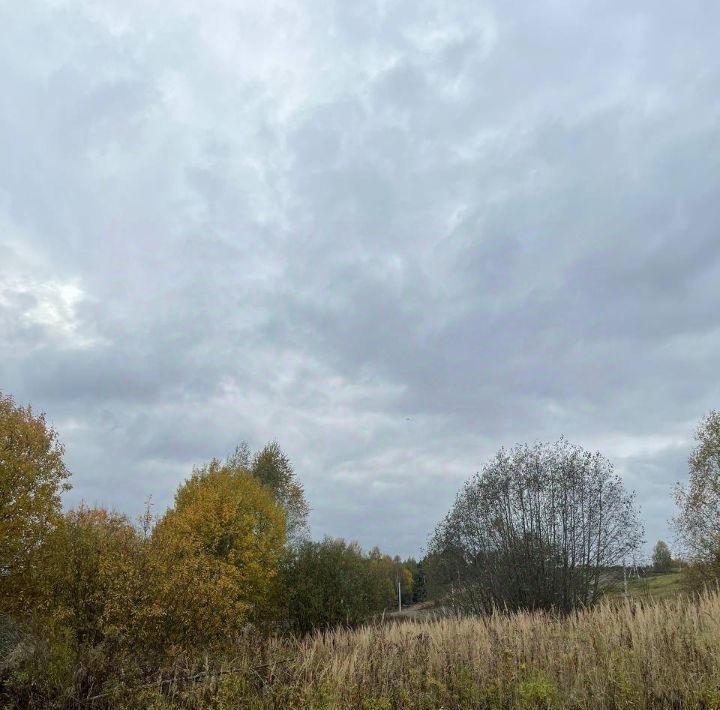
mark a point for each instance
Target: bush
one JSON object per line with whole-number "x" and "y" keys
{"x": 95, "y": 577}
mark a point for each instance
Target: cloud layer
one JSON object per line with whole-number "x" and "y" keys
{"x": 391, "y": 235}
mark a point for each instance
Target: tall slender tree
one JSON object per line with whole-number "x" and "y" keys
{"x": 271, "y": 467}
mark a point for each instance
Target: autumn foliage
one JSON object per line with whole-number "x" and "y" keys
{"x": 216, "y": 555}
{"x": 95, "y": 580}
{"x": 32, "y": 478}
{"x": 87, "y": 590}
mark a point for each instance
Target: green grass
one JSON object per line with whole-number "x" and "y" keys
{"x": 653, "y": 586}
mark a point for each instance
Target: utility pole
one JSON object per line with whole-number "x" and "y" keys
{"x": 625, "y": 580}
{"x": 399, "y": 594}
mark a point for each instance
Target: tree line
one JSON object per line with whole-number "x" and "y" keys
{"x": 539, "y": 527}
{"x": 233, "y": 549}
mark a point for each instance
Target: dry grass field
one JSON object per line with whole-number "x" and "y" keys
{"x": 631, "y": 654}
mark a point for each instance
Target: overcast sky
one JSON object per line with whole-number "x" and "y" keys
{"x": 393, "y": 236}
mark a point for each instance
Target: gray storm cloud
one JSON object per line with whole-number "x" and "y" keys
{"x": 393, "y": 236}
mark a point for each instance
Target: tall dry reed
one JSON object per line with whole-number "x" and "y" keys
{"x": 626, "y": 655}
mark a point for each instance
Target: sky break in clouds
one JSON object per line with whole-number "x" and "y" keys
{"x": 393, "y": 236}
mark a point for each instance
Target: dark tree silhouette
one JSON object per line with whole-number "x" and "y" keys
{"x": 536, "y": 529}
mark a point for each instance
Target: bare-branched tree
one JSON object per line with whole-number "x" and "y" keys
{"x": 536, "y": 529}
{"x": 698, "y": 520}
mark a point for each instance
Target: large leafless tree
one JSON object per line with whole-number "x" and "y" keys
{"x": 536, "y": 529}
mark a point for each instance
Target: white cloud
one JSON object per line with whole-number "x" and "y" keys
{"x": 49, "y": 307}
{"x": 36, "y": 307}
